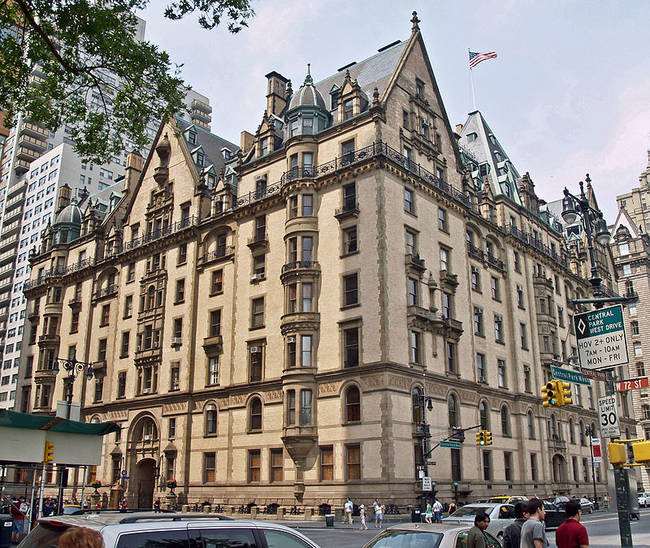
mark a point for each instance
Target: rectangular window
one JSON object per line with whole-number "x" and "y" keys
{"x": 350, "y": 244}
{"x": 101, "y": 350}
{"x": 451, "y": 356}
{"x": 276, "y": 465}
{"x": 478, "y": 321}
{"x": 501, "y": 370}
{"x": 327, "y": 463}
{"x": 412, "y": 291}
{"x": 351, "y": 289}
{"x": 257, "y": 313}
{"x": 306, "y": 350}
{"x": 305, "y": 407}
{"x": 307, "y": 296}
{"x": 409, "y": 200}
{"x": 182, "y": 253}
{"x": 254, "y": 465}
{"x": 213, "y": 370}
{"x": 476, "y": 278}
{"x": 180, "y": 291}
{"x": 411, "y": 242}
{"x": 175, "y": 376}
{"x": 215, "y": 323}
{"x": 351, "y": 346}
{"x": 447, "y": 300}
{"x": 209, "y": 467}
{"x": 216, "y": 284}
{"x": 445, "y": 263}
{"x": 74, "y": 322}
{"x": 128, "y": 306}
{"x": 307, "y": 202}
{"x": 415, "y": 346}
{"x": 121, "y": 384}
{"x": 130, "y": 272}
{"x": 456, "y": 467}
{"x": 498, "y": 328}
{"x": 106, "y": 315}
{"x": 350, "y": 195}
{"x": 348, "y": 109}
{"x": 99, "y": 389}
{"x": 442, "y": 220}
{"x": 178, "y": 328}
{"x": 517, "y": 261}
{"x": 507, "y": 465}
{"x": 527, "y": 380}
{"x": 353, "y": 462}
{"x": 496, "y": 288}
{"x": 124, "y": 351}
{"x": 533, "y": 467}
{"x": 293, "y": 205}
{"x": 481, "y": 373}
{"x": 487, "y": 465}
{"x": 523, "y": 336}
{"x": 256, "y": 362}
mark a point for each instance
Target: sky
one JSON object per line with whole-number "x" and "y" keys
{"x": 569, "y": 93}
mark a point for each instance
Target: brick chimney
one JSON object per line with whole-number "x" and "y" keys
{"x": 63, "y": 199}
{"x": 276, "y": 95}
{"x": 134, "y": 167}
{"x": 246, "y": 142}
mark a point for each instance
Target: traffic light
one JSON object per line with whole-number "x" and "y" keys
{"x": 549, "y": 394}
{"x": 48, "y": 455}
{"x": 563, "y": 393}
{"x": 617, "y": 453}
{"x": 641, "y": 451}
{"x": 488, "y": 437}
{"x": 480, "y": 437}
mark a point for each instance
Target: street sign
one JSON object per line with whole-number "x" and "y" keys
{"x": 593, "y": 374}
{"x": 426, "y": 484}
{"x": 124, "y": 473}
{"x": 632, "y": 384}
{"x": 608, "y": 417}
{"x": 450, "y": 444}
{"x": 596, "y": 449}
{"x": 568, "y": 375}
{"x": 601, "y": 338}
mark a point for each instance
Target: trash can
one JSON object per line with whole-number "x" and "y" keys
{"x": 416, "y": 515}
{"x": 329, "y": 520}
{"x": 5, "y": 531}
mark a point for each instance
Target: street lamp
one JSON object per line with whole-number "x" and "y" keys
{"x": 73, "y": 367}
{"x": 593, "y": 224}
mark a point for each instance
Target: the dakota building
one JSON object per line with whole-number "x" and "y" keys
{"x": 270, "y": 323}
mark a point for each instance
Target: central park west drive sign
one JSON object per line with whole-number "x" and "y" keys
{"x": 601, "y": 338}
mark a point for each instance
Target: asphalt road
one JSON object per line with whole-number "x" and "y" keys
{"x": 602, "y": 528}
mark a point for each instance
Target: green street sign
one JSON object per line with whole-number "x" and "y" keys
{"x": 601, "y": 338}
{"x": 450, "y": 444}
{"x": 569, "y": 376}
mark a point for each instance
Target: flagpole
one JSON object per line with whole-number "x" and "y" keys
{"x": 471, "y": 79}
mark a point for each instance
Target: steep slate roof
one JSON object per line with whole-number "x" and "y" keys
{"x": 623, "y": 219}
{"x": 484, "y": 149}
{"x": 211, "y": 143}
{"x": 375, "y": 71}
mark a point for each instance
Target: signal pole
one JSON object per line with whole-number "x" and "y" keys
{"x": 591, "y": 433}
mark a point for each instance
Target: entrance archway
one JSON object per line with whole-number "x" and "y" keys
{"x": 145, "y": 478}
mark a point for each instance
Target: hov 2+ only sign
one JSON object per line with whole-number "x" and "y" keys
{"x": 601, "y": 338}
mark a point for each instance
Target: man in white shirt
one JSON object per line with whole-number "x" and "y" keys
{"x": 349, "y": 507}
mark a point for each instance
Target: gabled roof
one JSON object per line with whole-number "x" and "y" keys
{"x": 484, "y": 148}
{"x": 373, "y": 72}
{"x": 623, "y": 219}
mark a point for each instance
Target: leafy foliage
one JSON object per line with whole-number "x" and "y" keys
{"x": 78, "y": 63}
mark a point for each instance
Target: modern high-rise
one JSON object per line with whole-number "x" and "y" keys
{"x": 29, "y": 162}
{"x": 299, "y": 320}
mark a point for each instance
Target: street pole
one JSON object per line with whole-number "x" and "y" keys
{"x": 590, "y": 432}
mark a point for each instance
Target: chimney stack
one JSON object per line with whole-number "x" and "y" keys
{"x": 246, "y": 141}
{"x": 63, "y": 199}
{"x": 134, "y": 167}
{"x": 276, "y": 95}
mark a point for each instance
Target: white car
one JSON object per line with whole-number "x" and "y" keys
{"x": 644, "y": 500}
{"x": 586, "y": 505}
{"x": 501, "y": 515}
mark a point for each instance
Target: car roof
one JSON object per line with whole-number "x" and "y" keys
{"x": 431, "y": 527}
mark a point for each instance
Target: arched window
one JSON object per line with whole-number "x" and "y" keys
{"x": 145, "y": 431}
{"x": 483, "y": 416}
{"x": 581, "y": 433}
{"x": 255, "y": 414}
{"x": 210, "y": 419}
{"x": 418, "y": 411}
{"x": 572, "y": 434}
{"x": 531, "y": 425}
{"x": 505, "y": 421}
{"x": 352, "y": 404}
{"x": 452, "y": 405}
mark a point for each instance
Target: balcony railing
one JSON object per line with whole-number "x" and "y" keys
{"x": 475, "y": 251}
{"x": 299, "y": 265}
{"x": 219, "y": 253}
{"x": 497, "y": 263}
{"x": 161, "y": 233}
{"x": 106, "y": 291}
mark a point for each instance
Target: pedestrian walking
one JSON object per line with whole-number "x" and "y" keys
{"x": 18, "y": 510}
{"x": 572, "y": 534}
{"x": 437, "y": 510}
{"x": 452, "y": 508}
{"x": 349, "y": 508}
{"x": 428, "y": 513}
{"x": 362, "y": 515}
{"x": 476, "y": 538}
{"x": 512, "y": 533}
{"x": 533, "y": 532}
{"x": 379, "y": 513}
{"x": 156, "y": 506}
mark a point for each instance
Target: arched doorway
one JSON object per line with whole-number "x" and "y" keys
{"x": 559, "y": 469}
{"x": 145, "y": 478}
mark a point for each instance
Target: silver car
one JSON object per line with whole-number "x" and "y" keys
{"x": 145, "y": 530}
{"x": 431, "y": 535}
{"x": 501, "y": 515}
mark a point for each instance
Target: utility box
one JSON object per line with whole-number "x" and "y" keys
{"x": 617, "y": 453}
{"x": 641, "y": 451}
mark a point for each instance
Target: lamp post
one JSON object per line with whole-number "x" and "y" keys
{"x": 73, "y": 368}
{"x": 591, "y": 433}
{"x": 593, "y": 223}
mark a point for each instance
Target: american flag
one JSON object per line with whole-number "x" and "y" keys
{"x": 476, "y": 58}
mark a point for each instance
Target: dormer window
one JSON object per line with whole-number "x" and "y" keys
{"x": 334, "y": 98}
{"x": 226, "y": 154}
{"x": 307, "y": 126}
{"x": 200, "y": 158}
{"x": 347, "y": 109}
{"x": 471, "y": 137}
{"x": 191, "y": 137}
{"x": 265, "y": 146}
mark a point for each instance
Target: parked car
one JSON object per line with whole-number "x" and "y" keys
{"x": 644, "y": 499}
{"x": 586, "y": 505}
{"x": 501, "y": 515}
{"x": 508, "y": 499}
{"x": 555, "y": 515}
{"x": 431, "y": 535}
{"x": 144, "y": 530}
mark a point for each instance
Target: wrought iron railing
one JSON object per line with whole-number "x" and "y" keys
{"x": 294, "y": 265}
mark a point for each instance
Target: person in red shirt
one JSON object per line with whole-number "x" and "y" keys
{"x": 572, "y": 534}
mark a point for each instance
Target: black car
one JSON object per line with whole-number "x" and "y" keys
{"x": 555, "y": 516}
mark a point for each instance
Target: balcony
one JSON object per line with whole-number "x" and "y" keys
{"x": 8, "y": 242}
{"x": 495, "y": 262}
{"x": 474, "y": 251}
{"x": 44, "y": 376}
{"x": 222, "y": 253}
{"x": 201, "y": 116}
{"x": 27, "y": 154}
{"x": 13, "y": 214}
{"x": 299, "y": 441}
{"x": 52, "y": 308}
{"x": 39, "y": 145}
{"x": 34, "y": 130}
{"x": 48, "y": 340}
{"x": 21, "y": 165}
{"x": 213, "y": 344}
{"x": 105, "y": 292}
{"x": 300, "y": 267}
{"x": 200, "y": 105}
{"x": 414, "y": 261}
{"x": 148, "y": 354}
{"x": 543, "y": 281}
{"x": 454, "y": 328}
{"x": 349, "y": 209}
{"x": 299, "y": 320}
{"x": 557, "y": 444}
{"x": 425, "y": 318}
{"x": 10, "y": 229}
{"x": 258, "y": 241}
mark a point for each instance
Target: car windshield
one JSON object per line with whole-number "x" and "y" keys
{"x": 44, "y": 535}
{"x": 406, "y": 539}
{"x": 470, "y": 511}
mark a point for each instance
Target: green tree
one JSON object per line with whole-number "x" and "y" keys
{"x": 77, "y": 62}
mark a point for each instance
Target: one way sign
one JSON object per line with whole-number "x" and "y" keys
{"x": 601, "y": 338}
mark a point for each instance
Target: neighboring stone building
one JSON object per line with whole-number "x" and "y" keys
{"x": 636, "y": 201}
{"x": 281, "y": 316}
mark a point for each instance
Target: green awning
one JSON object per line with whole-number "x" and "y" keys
{"x": 12, "y": 419}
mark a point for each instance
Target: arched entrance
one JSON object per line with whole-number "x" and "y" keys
{"x": 145, "y": 481}
{"x": 559, "y": 469}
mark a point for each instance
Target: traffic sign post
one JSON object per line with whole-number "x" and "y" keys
{"x": 569, "y": 376}
{"x": 426, "y": 484}
{"x": 601, "y": 338}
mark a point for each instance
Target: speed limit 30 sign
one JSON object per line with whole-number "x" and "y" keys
{"x": 608, "y": 417}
